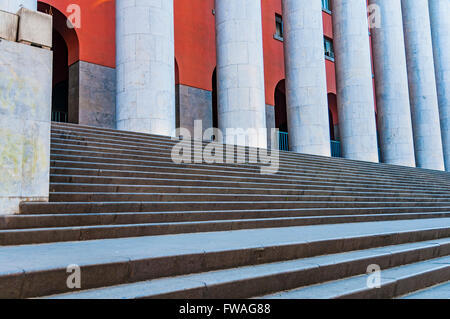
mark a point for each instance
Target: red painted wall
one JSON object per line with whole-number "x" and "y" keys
{"x": 195, "y": 51}
{"x": 96, "y": 36}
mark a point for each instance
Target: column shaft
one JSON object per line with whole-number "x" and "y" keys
{"x": 306, "y": 83}
{"x": 440, "y": 31}
{"x": 145, "y": 66}
{"x": 422, "y": 85}
{"x": 354, "y": 80}
{"x": 391, "y": 81}
{"x": 240, "y": 71}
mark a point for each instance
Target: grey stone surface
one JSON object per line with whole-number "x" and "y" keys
{"x": 25, "y": 106}
{"x": 35, "y": 27}
{"x": 9, "y": 23}
{"x": 59, "y": 255}
{"x": 194, "y": 104}
{"x": 145, "y": 66}
{"x": 391, "y": 81}
{"x": 306, "y": 83}
{"x": 14, "y": 5}
{"x": 355, "y": 97}
{"x": 436, "y": 292}
{"x": 270, "y": 123}
{"x": 440, "y": 27}
{"x": 422, "y": 85}
{"x": 92, "y": 94}
{"x": 240, "y": 70}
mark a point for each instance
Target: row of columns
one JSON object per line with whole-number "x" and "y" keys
{"x": 412, "y": 105}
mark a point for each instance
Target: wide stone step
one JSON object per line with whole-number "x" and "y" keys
{"x": 132, "y": 169}
{"x": 310, "y": 216}
{"x": 158, "y": 206}
{"x": 395, "y": 282}
{"x": 164, "y": 154}
{"x": 440, "y": 291}
{"x": 246, "y": 282}
{"x": 67, "y": 146}
{"x": 79, "y": 233}
{"x": 118, "y": 188}
{"x": 236, "y": 184}
{"x": 112, "y": 158}
{"x": 214, "y": 197}
{"x": 41, "y": 270}
{"x": 83, "y": 130}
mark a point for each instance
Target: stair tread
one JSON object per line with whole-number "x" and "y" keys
{"x": 61, "y": 254}
{"x": 170, "y": 284}
{"x": 347, "y": 286}
{"x": 441, "y": 291}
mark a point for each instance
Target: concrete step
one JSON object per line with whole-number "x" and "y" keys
{"x": 136, "y": 188}
{"x": 312, "y": 216}
{"x": 215, "y": 197}
{"x": 158, "y": 206}
{"x": 440, "y": 291}
{"x": 111, "y": 158}
{"x": 101, "y": 231}
{"x": 395, "y": 282}
{"x": 249, "y": 281}
{"x": 159, "y": 154}
{"x": 40, "y": 270}
{"x": 77, "y": 130}
{"x": 235, "y": 183}
{"x": 127, "y": 169}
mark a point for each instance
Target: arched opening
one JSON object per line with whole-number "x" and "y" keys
{"x": 177, "y": 95}
{"x": 281, "y": 116}
{"x": 334, "y": 126}
{"x": 65, "y": 47}
{"x": 215, "y": 116}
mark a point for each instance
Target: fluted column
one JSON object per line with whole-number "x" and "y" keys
{"x": 240, "y": 70}
{"x": 422, "y": 85}
{"x": 354, "y": 80}
{"x": 306, "y": 83}
{"x": 440, "y": 31}
{"x": 14, "y": 5}
{"x": 391, "y": 81}
{"x": 145, "y": 66}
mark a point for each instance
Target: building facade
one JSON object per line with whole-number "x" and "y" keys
{"x": 364, "y": 80}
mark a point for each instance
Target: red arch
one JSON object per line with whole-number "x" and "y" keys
{"x": 69, "y": 34}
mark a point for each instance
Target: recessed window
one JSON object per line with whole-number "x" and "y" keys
{"x": 329, "y": 50}
{"x": 278, "y": 27}
{"x": 326, "y": 5}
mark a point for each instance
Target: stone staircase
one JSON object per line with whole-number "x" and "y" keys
{"x": 141, "y": 226}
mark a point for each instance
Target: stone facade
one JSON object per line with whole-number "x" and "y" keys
{"x": 240, "y": 69}
{"x": 391, "y": 81}
{"x": 145, "y": 100}
{"x": 440, "y": 27}
{"x": 92, "y": 95}
{"x": 193, "y": 104}
{"x": 355, "y": 97}
{"x": 422, "y": 85}
{"x": 306, "y": 82}
{"x": 25, "y": 107}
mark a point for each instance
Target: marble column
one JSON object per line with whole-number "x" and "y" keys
{"x": 440, "y": 31}
{"x": 422, "y": 85}
{"x": 145, "y": 66}
{"x": 306, "y": 83}
{"x": 355, "y": 97}
{"x": 391, "y": 81}
{"x": 14, "y": 5}
{"x": 240, "y": 72}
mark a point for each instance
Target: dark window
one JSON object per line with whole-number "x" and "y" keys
{"x": 329, "y": 50}
{"x": 279, "y": 27}
{"x": 326, "y": 5}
